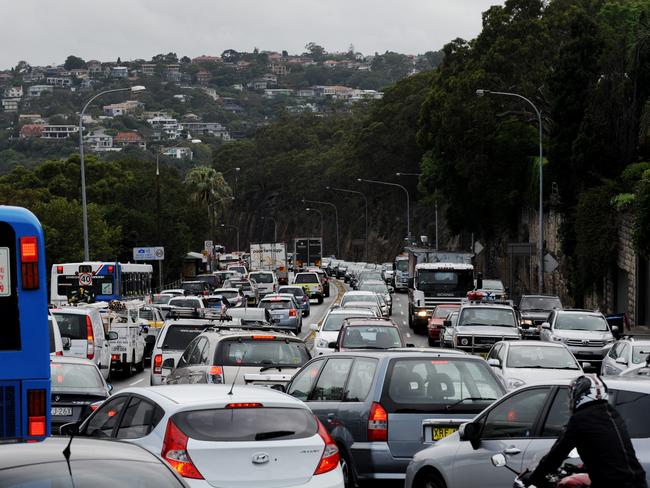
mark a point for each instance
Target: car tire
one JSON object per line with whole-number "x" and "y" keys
{"x": 320, "y": 299}
{"x": 430, "y": 480}
{"x": 307, "y": 313}
{"x": 346, "y": 468}
{"x": 140, "y": 366}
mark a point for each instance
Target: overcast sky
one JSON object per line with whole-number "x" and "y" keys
{"x": 43, "y": 32}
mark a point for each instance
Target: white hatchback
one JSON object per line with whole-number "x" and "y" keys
{"x": 214, "y": 436}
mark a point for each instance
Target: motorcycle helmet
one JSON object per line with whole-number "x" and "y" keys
{"x": 585, "y": 389}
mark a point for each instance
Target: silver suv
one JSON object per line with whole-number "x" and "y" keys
{"x": 481, "y": 325}
{"x": 586, "y": 333}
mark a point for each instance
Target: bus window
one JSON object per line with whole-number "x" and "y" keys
{"x": 10, "y": 337}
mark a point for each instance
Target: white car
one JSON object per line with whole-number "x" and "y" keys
{"x": 213, "y": 435}
{"x": 518, "y": 363}
{"x": 329, "y": 329}
{"x": 186, "y": 302}
{"x": 266, "y": 281}
{"x": 177, "y": 292}
{"x": 365, "y": 296}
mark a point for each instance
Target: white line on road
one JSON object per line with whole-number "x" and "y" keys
{"x": 136, "y": 382}
{"x": 401, "y": 312}
{"x": 408, "y": 335}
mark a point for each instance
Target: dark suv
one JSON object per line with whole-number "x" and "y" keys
{"x": 534, "y": 310}
{"x": 383, "y": 407}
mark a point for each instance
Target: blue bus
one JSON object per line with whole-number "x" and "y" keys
{"x": 24, "y": 339}
{"x": 105, "y": 281}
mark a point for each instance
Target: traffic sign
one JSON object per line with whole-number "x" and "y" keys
{"x": 149, "y": 253}
{"x": 208, "y": 245}
{"x": 478, "y": 248}
{"x": 85, "y": 279}
{"x": 5, "y": 273}
{"x": 550, "y": 264}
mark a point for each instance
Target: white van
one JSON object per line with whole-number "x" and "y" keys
{"x": 88, "y": 340}
{"x": 127, "y": 350}
{"x": 267, "y": 281}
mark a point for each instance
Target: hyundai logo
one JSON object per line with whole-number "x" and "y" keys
{"x": 260, "y": 458}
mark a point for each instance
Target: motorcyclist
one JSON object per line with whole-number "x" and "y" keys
{"x": 599, "y": 434}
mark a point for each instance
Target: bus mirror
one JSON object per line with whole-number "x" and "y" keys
{"x": 111, "y": 336}
{"x": 67, "y": 342}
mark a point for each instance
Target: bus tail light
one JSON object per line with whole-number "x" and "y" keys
{"x": 157, "y": 364}
{"x": 174, "y": 451}
{"x": 36, "y": 423}
{"x": 377, "y": 424}
{"x": 110, "y": 269}
{"x": 331, "y": 457}
{"x": 29, "y": 262}
{"x": 91, "y": 338}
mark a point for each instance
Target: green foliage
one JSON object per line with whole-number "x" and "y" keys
{"x": 74, "y": 62}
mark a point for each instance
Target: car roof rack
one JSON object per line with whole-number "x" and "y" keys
{"x": 486, "y": 301}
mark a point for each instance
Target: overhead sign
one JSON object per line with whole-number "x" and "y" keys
{"x": 85, "y": 279}
{"x": 550, "y": 264}
{"x": 5, "y": 272}
{"x": 149, "y": 253}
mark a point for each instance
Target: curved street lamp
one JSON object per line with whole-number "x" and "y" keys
{"x": 365, "y": 199}
{"x": 408, "y": 203}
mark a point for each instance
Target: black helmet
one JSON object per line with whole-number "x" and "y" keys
{"x": 585, "y": 389}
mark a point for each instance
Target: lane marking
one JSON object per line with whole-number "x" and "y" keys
{"x": 136, "y": 382}
{"x": 408, "y": 334}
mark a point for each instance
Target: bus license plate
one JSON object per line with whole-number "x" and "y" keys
{"x": 437, "y": 433}
{"x": 61, "y": 411}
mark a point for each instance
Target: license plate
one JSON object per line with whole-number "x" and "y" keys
{"x": 119, "y": 348}
{"x": 61, "y": 411}
{"x": 437, "y": 433}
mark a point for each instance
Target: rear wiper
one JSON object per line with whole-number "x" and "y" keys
{"x": 473, "y": 399}
{"x": 266, "y": 368}
{"x": 260, "y": 436}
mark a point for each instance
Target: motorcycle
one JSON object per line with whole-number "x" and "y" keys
{"x": 569, "y": 475}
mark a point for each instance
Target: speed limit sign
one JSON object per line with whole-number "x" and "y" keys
{"x": 85, "y": 279}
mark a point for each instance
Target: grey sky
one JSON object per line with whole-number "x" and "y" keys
{"x": 43, "y": 32}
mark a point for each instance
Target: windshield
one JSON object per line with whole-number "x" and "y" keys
{"x": 184, "y": 302}
{"x": 445, "y": 281}
{"x": 197, "y": 287}
{"x": 366, "y": 276}
{"x": 540, "y": 357}
{"x": 229, "y": 294}
{"x": 540, "y": 303}
{"x": 74, "y": 376}
{"x": 178, "y": 336}
{"x": 575, "y": 321}
{"x": 441, "y": 311}
{"x": 493, "y": 285}
{"x": 262, "y": 352}
{"x": 640, "y": 354}
{"x": 294, "y": 290}
{"x": 363, "y": 337}
{"x": 440, "y": 384}
{"x": 487, "y": 316}
{"x": 375, "y": 288}
{"x": 335, "y": 320}
{"x": 261, "y": 277}
{"x": 275, "y": 304}
{"x": 161, "y": 299}
{"x": 402, "y": 265}
{"x": 146, "y": 313}
{"x": 307, "y": 278}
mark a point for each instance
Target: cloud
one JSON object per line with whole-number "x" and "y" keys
{"x": 46, "y": 32}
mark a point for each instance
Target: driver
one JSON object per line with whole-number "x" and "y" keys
{"x": 599, "y": 434}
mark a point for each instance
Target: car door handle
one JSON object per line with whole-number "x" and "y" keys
{"x": 512, "y": 451}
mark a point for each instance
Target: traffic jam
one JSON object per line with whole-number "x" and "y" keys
{"x": 282, "y": 367}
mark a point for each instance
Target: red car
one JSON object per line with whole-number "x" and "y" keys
{"x": 437, "y": 319}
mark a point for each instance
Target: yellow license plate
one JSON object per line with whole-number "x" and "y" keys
{"x": 438, "y": 433}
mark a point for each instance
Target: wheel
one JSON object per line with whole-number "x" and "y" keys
{"x": 140, "y": 366}
{"x": 346, "y": 468}
{"x": 429, "y": 480}
{"x": 307, "y": 313}
{"x": 320, "y": 299}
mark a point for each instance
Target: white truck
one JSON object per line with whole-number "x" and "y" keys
{"x": 271, "y": 257}
{"x": 127, "y": 351}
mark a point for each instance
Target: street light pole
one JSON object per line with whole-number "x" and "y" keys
{"x": 84, "y": 206}
{"x": 237, "y": 229}
{"x": 365, "y": 199}
{"x": 408, "y": 202}
{"x": 540, "y": 274}
{"x": 436, "y": 202}
{"x": 336, "y": 216}
{"x": 308, "y": 209}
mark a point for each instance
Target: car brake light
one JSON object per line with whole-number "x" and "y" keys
{"x": 115, "y": 357}
{"x": 244, "y": 405}
{"x": 36, "y": 425}
{"x": 377, "y": 424}
{"x": 293, "y": 313}
{"x": 215, "y": 375}
{"x": 157, "y": 364}
{"x": 91, "y": 338}
{"x": 58, "y": 353}
{"x": 263, "y": 337}
{"x": 29, "y": 262}
{"x": 174, "y": 451}
{"x": 330, "y": 458}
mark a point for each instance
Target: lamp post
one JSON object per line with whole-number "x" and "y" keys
{"x": 308, "y": 209}
{"x": 275, "y": 227}
{"x": 233, "y": 227}
{"x": 365, "y": 199}
{"x": 336, "y": 216}
{"x": 540, "y": 274}
{"x": 436, "y": 202}
{"x": 84, "y": 207}
{"x": 237, "y": 170}
{"x": 408, "y": 202}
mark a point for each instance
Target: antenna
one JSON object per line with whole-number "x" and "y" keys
{"x": 237, "y": 373}
{"x": 66, "y": 455}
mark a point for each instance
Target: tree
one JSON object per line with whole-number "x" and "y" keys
{"x": 208, "y": 188}
{"x": 185, "y": 60}
{"x": 316, "y": 52}
{"x": 74, "y": 62}
{"x": 230, "y": 56}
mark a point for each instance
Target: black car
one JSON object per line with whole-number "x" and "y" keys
{"x": 93, "y": 463}
{"x": 212, "y": 280}
{"x": 76, "y": 385}
{"x": 195, "y": 287}
{"x": 534, "y": 310}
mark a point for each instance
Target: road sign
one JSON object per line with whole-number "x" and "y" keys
{"x": 148, "y": 253}
{"x": 550, "y": 264}
{"x": 5, "y": 273}
{"x": 208, "y": 245}
{"x": 85, "y": 279}
{"x": 478, "y": 248}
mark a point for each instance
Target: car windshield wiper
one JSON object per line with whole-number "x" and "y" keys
{"x": 260, "y": 436}
{"x": 467, "y": 399}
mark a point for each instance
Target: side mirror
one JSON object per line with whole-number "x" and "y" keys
{"x": 313, "y": 327}
{"x": 586, "y": 366}
{"x": 622, "y": 361}
{"x": 110, "y": 387}
{"x": 494, "y": 362}
{"x": 546, "y": 326}
{"x": 69, "y": 429}
{"x": 168, "y": 364}
{"x": 615, "y": 329}
{"x": 447, "y": 323}
{"x": 111, "y": 336}
{"x": 144, "y": 330}
{"x": 279, "y": 388}
{"x": 333, "y": 345}
{"x": 499, "y": 460}
{"x": 67, "y": 342}
{"x": 470, "y": 432}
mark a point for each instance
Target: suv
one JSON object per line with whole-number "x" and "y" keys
{"x": 323, "y": 279}
{"x": 481, "y": 325}
{"x": 285, "y": 311}
{"x": 626, "y": 353}
{"x": 311, "y": 283}
{"x": 240, "y": 355}
{"x": 586, "y": 333}
{"x": 266, "y": 281}
{"x": 534, "y": 311}
{"x": 378, "y": 405}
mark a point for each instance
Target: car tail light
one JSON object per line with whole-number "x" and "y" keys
{"x": 91, "y": 338}
{"x": 115, "y": 357}
{"x": 377, "y": 424}
{"x": 157, "y": 364}
{"x": 29, "y": 262}
{"x": 263, "y": 337}
{"x": 174, "y": 451}
{"x": 36, "y": 425}
{"x": 330, "y": 458}
{"x": 58, "y": 353}
{"x": 293, "y": 313}
{"x": 215, "y": 375}
{"x": 244, "y": 405}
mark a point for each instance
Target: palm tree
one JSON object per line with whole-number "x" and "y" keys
{"x": 208, "y": 187}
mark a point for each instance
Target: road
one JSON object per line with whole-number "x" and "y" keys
{"x": 400, "y": 310}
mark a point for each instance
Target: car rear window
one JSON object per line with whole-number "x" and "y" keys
{"x": 261, "y": 277}
{"x": 184, "y": 302}
{"x": 334, "y": 321}
{"x": 370, "y": 337}
{"x": 65, "y": 376}
{"x": 71, "y": 325}
{"x": 178, "y": 336}
{"x": 307, "y": 278}
{"x": 275, "y": 304}
{"x": 262, "y": 351}
{"x": 441, "y": 385}
{"x": 359, "y": 298}
{"x": 294, "y": 290}
{"x": 247, "y": 424}
{"x": 161, "y": 299}
{"x": 633, "y": 407}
